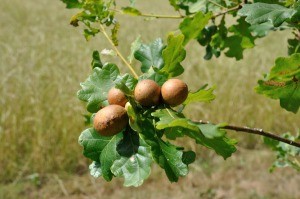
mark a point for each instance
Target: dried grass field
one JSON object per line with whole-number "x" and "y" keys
{"x": 42, "y": 61}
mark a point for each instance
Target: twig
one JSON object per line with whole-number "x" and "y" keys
{"x": 258, "y": 132}
{"x": 153, "y": 15}
{"x": 228, "y": 10}
{"x": 239, "y": 6}
{"x": 118, "y": 52}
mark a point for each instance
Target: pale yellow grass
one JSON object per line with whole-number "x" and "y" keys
{"x": 42, "y": 61}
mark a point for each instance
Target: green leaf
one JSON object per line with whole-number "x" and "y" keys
{"x": 214, "y": 38}
{"x": 174, "y": 132}
{"x": 205, "y": 38}
{"x": 293, "y": 46}
{"x": 283, "y": 82}
{"x": 96, "y": 61}
{"x": 192, "y": 27}
{"x": 240, "y": 40}
{"x": 168, "y": 118}
{"x": 258, "y": 13}
{"x": 201, "y": 95}
{"x": 126, "y": 83}
{"x": 95, "y": 169}
{"x": 133, "y": 117}
{"x": 93, "y": 143}
{"x": 114, "y": 33}
{"x": 90, "y": 32}
{"x": 131, "y": 11}
{"x": 218, "y": 39}
{"x": 134, "y": 47}
{"x": 206, "y": 135}
{"x": 221, "y": 145}
{"x": 109, "y": 155}
{"x": 270, "y": 142}
{"x": 286, "y": 155}
{"x": 188, "y": 157}
{"x": 95, "y": 88}
{"x": 101, "y": 149}
{"x": 135, "y": 162}
{"x": 174, "y": 4}
{"x": 206, "y": 34}
{"x": 212, "y": 131}
{"x": 173, "y": 158}
{"x": 262, "y": 29}
{"x": 150, "y": 55}
{"x": 173, "y": 54}
{"x": 132, "y": 2}
{"x": 143, "y": 124}
{"x": 193, "y": 6}
{"x": 72, "y": 3}
{"x": 159, "y": 78}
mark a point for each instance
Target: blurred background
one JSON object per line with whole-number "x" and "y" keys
{"x": 42, "y": 61}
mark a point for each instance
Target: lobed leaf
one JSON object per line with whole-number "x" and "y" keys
{"x": 205, "y": 134}
{"x": 283, "y": 82}
{"x": 109, "y": 155}
{"x": 188, "y": 157}
{"x": 126, "y": 83}
{"x": 172, "y": 55}
{"x": 205, "y": 39}
{"x": 160, "y": 150}
{"x": 114, "y": 33}
{"x": 240, "y": 39}
{"x": 134, "y": 47}
{"x": 192, "y": 27}
{"x": 95, "y": 169}
{"x": 72, "y": 3}
{"x": 93, "y": 143}
{"x": 194, "y": 6}
{"x": 95, "y": 88}
{"x": 131, "y": 11}
{"x": 173, "y": 159}
{"x": 286, "y": 155}
{"x": 101, "y": 149}
{"x": 96, "y": 61}
{"x": 135, "y": 162}
{"x": 293, "y": 46}
{"x": 150, "y": 55}
{"x": 201, "y": 95}
{"x": 258, "y": 13}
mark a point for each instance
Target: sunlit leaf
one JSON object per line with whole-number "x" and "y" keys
{"x": 135, "y": 162}
{"x": 95, "y": 88}
{"x": 191, "y": 27}
{"x": 258, "y": 13}
{"x": 205, "y": 134}
{"x": 202, "y": 95}
{"x": 283, "y": 82}
{"x": 150, "y": 55}
{"x": 173, "y": 54}
{"x": 73, "y": 3}
{"x": 131, "y": 11}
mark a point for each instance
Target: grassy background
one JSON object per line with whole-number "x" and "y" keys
{"x": 42, "y": 61}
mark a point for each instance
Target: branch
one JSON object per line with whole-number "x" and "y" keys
{"x": 118, "y": 52}
{"x": 257, "y": 132}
